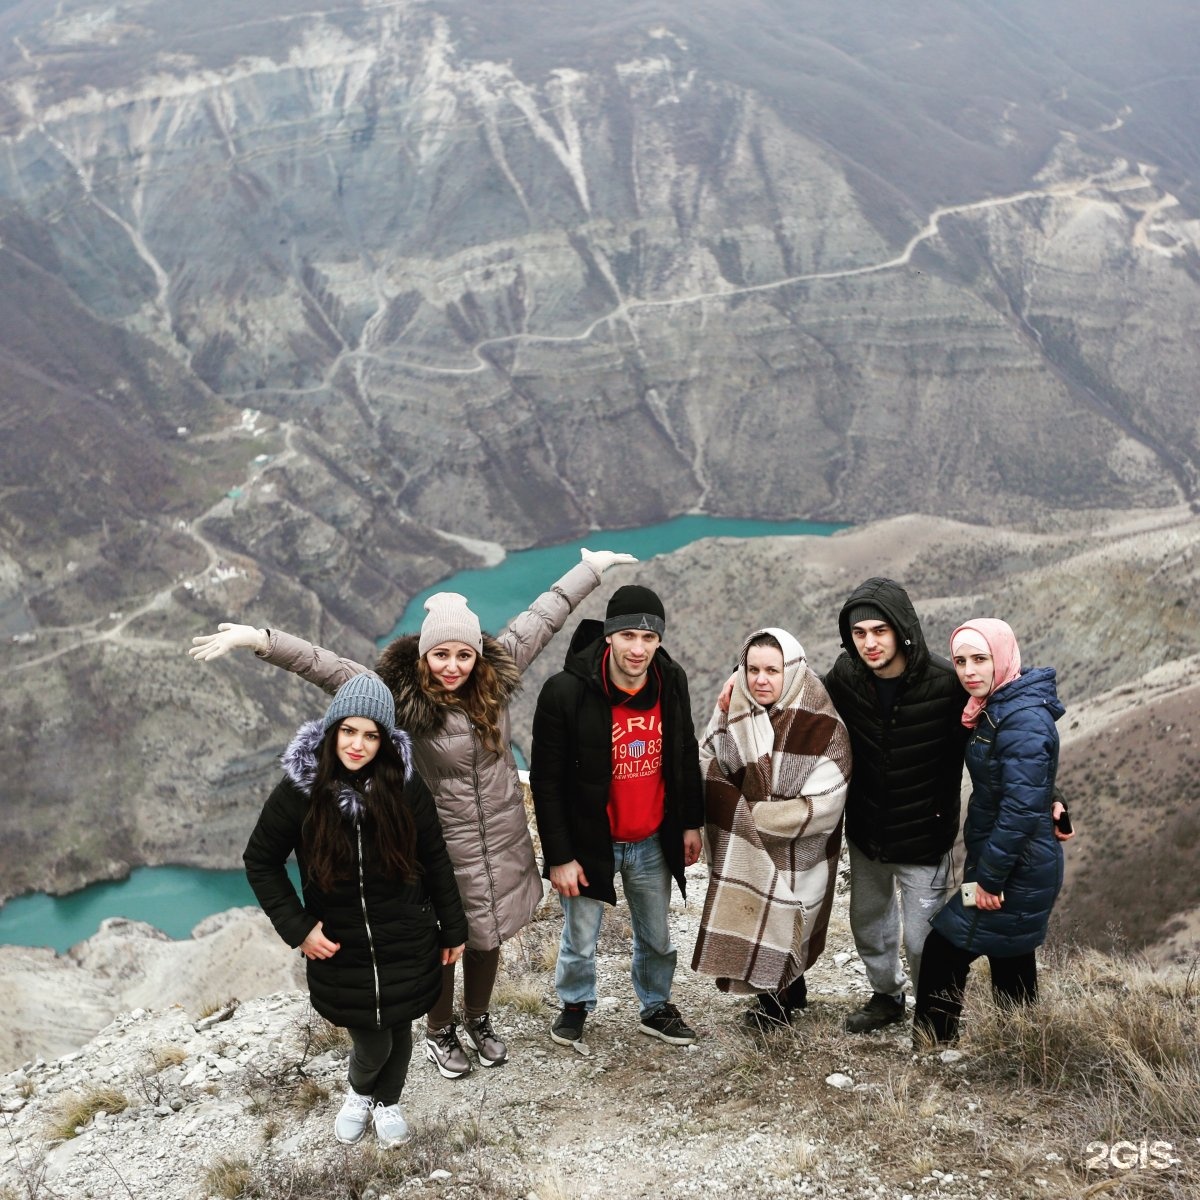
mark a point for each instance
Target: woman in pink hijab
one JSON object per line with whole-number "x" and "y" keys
{"x": 1014, "y": 861}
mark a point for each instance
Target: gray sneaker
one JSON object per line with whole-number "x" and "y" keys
{"x": 353, "y": 1118}
{"x": 481, "y": 1037}
{"x": 443, "y": 1049}
{"x": 390, "y": 1126}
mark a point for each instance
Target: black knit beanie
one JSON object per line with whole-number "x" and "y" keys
{"x": 635, "y": 607}
{"x": 866, "y": 612}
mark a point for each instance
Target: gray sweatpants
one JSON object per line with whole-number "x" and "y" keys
{"x": 882, "y": 896}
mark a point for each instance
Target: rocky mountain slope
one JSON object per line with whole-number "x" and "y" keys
{"x": 54, "y": 1003}
{"x": 168, "y": 1102}
{"x": 295, "y": 302}
{"x": 1108, "y": 599}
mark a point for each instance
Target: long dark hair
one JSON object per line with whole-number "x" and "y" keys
{"x": 328, "y": 834}
{"x": 481, "y": 697}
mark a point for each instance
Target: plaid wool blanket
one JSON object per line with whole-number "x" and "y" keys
{"x": 774, "y": 788}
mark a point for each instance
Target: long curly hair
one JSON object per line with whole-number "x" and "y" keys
{"x": 481, "y": 697}
{"x": 328, "y": 836}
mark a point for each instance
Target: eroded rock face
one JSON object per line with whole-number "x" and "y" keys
{"x": 288, "y": 301}
{"x": 55, "y": 1003}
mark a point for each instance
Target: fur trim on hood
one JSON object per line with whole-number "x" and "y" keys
{"x": 300, "y": 762}
{"x": 415, "y": 710}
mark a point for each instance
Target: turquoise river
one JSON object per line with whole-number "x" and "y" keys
{"x": 175, "y": 899}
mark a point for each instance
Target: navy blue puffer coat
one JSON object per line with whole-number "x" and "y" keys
{"x": 1012, "y": 758}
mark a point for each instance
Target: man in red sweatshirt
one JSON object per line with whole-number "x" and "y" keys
{"x": 615, "y": 774}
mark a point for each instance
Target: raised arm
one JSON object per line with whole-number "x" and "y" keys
{"x": 529, "y": 633}
{"x": 313, "y": 663}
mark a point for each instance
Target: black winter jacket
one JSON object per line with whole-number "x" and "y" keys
{"x": 904, "y": 798}
{"x": 570, "y": 766}
{"x": 388, "y": 970}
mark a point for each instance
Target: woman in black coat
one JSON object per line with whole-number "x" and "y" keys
{"x": 380, "y": 913}
{"x": 1014, "y": 861}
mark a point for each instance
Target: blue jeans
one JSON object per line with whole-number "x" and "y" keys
{"x": 647, "y": 883}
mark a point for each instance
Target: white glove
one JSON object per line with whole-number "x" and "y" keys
{"x": 601, "y": 560}
{"x": 228, "y": 637}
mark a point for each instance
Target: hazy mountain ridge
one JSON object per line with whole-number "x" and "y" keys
{"x": 289, "y": 298}
{"x": 517, "y": 268}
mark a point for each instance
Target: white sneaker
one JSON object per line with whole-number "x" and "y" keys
{"x": 390, "y": 1126}
{"x": 351, "y": 1122}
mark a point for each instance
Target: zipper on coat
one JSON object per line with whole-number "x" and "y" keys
{"x": 487, "y": 861}
{"x": 362, "y": 897}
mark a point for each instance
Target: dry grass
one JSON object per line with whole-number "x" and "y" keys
{"x": 365, "y": 1170}
{"x": 231, "y": 1179}
{"x": 1111, "y": 1054}
{"x": 534, "y": 951}
{"x": 313, "y": 1036}
{"x": 168, "y": 1056}
{"x": 525, "y": 995}
{"x": 550, "y": 1185}
{"x": 1113, "y": 1051}
{"x": 309, "y": 1094}
{"x": 75, "y": 1109}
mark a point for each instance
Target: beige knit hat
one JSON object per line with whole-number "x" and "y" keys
{"x": 449, "y": 620}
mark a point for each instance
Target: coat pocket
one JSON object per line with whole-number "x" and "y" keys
{"x": 406, "y": 931}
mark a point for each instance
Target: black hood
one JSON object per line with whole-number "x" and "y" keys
{"x": 891, "y": 600}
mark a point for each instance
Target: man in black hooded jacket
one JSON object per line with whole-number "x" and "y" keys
{"x": 903, "y": 707}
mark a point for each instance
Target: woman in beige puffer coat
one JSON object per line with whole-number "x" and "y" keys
{"x": 452, "y": 685}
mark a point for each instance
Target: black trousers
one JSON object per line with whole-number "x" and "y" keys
{"x": 944, "y": 970}
{"x": 379, "y": 1061}
{"x": 779, "y": 1004}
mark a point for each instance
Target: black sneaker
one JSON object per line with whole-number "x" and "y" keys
{"x": 666, "y": 1023}
{"x": 879, "y": 1011}
{"x": 568, "y": 1025}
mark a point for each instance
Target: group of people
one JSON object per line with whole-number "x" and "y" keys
{"x": 403, "y": 808}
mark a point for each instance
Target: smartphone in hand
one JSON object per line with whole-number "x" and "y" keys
{"x": 969, "y": 891}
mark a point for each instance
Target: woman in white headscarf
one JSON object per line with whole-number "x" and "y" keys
{"x": 776, "y": 766}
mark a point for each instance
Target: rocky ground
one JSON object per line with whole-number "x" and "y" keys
{"x": 240, "y": 1103}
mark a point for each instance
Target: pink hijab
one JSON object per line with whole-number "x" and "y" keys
{"x": 1001, "y": 642}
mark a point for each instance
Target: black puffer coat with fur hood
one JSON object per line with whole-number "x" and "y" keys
{"x": 389, "y": 968}
{"x": 478, "y": 796}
